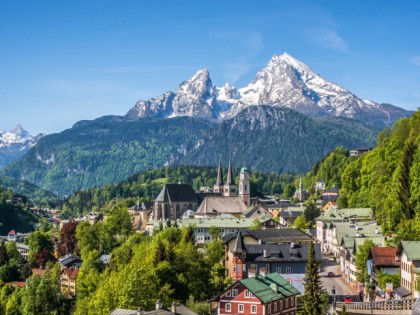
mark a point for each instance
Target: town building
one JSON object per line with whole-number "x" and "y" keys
{"x": 266, "y": 294}
{"x": 301, "y": 194}
{"x": 255, "y": 253}
{"x": 410, "y": 270}
{"x": 68, "y": 280}
{"x": 383, "y": 261}
{"x": 325, "y": 225}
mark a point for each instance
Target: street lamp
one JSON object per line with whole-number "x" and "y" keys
{"x": 334, "y": 295}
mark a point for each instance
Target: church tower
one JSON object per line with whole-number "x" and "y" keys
{"x": 218, "y": 187}
{"x": 244, "y": 188}
{"x": 239, "y": 259}
{"x": 229, "y": 189}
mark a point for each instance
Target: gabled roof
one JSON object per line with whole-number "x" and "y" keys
{"x": 214, "y": 205}
{"x": 284, "y": 235}
{"x": 177, "y": 193}
{"x": 384, "y": 256}
{"x": 333, "y": 189}
{"x": 272, "y": 287}
{"x": 70, "y": 272}
{"x": 281, "y": 252}
{"x": 411, "y": 249}
{"x": 239, "y": 247}
{"x": 12, "y": 232}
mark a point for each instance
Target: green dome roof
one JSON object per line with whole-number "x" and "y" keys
{"x": 244, "y": 170}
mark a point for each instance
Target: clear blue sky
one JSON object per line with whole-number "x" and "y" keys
{"x": 64, "y": 61}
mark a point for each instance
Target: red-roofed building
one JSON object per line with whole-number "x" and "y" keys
{"x": 68, "y": 280}
{"x": 385, "y": 260}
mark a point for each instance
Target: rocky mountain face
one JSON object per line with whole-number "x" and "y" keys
{"x": 15, "y": 143}
{"x": 284, "y": 82}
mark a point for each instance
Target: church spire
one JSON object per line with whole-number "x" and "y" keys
{"x": 219, "y": 180}
{"x": 229, "y": 179}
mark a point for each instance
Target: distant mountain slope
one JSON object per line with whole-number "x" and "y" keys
{"x": 105, "y": 150}
{"x": 15, "y": 143}
{"x": 111, "y": 148}
{"x": 278, "y": 139}
{"x": 284, "y": 82}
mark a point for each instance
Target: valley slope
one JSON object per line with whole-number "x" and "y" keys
{"x": 111, "y": 148}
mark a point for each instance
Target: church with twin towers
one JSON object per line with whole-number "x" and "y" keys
{"x": 229, "y": 188}
{"x": 175, "y": 200}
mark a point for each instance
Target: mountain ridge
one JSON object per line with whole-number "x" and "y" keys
{"x": 284, "y": 82}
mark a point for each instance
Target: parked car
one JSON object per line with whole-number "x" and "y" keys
{"x": 331, "y": 274}
{"x": 347, "y": 299}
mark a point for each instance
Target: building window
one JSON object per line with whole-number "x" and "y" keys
{"x": 254, "y": 266}
{"x": 234, "y": 292}
{"x": 275, "y": 306}
{"x": 240, "y": 308}
{"x": 288, "y": 270}
{"x": 281, "y": 305}
{"x": 267, "y": 267}
{"x": 252, "y": 295}
{"x": 269, "y": 308}
{"x": 228, "y": 307}
{"x": 246, "y": 293}
{"x": 253, "y": 309}
{"x": 286, "y": 303}
{"x": 234, "y": 268}
{"x": 245, "y": 187}
{"x": 278, "y": 269}
{"x": 292, "y": 302}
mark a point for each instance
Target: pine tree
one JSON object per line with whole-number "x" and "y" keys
{"x": 312, "y": 304}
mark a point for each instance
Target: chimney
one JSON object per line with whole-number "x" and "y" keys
{"x": 158, "y": 304}
{"x": 173, "y": 308}
{"x": 376, "y": 231}
{"x": 265, "y": 253}
{"x": 140, "y": 311}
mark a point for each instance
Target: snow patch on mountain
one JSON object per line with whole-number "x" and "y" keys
{"x": 284, "y": 82}
{"x": 15, "y": 143}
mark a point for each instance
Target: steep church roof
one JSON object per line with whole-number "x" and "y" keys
{"x": 219, "y": 180}
{"x": 239, "y": 247}
{"x": 177, "y": 193}
{"x": 229, "y": 179}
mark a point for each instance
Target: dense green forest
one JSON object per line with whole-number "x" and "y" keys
{"x": 110, "y": 149}
{"x": 329, "y": 169}
{"x": 168, "y": 266}
{"x": 14, "y": 213}
{"x": 147, "y": 185}
{"x": 388, "y": 179}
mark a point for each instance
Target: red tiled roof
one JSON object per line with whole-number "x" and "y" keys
{"x": 19, "y": 284}
{"x": 12, "y": 232}
{"x": 71, "y": 272}
{"x": 384, "y": 257}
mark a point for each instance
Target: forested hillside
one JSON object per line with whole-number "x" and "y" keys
{"x": 329, "y": 169}
{"x": 147, "y": 185}
{"x": 13, "y": 213}
{"x": 110, "y": 149}
{"x": 35, "y": 194}
{"x": 388, "y": 179}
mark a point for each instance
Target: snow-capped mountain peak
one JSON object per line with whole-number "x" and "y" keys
{"x": 285, "y": 81}
{"x": 15, "y": 143}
